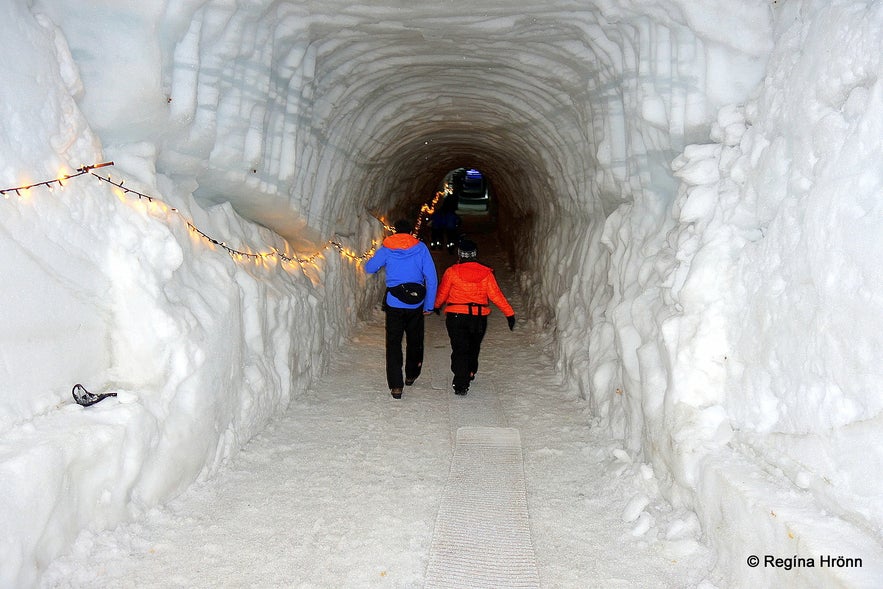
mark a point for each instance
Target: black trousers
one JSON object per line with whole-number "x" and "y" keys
{"x": 466, "y": 333}
{"x": 407, "y": 323}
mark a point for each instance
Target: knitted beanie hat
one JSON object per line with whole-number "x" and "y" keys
{"x": 467, "y": 250}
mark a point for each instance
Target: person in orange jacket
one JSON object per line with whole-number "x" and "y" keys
{"x": 465, "y": 289}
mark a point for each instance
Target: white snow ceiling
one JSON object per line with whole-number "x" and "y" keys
{"x": 312, "y": 113}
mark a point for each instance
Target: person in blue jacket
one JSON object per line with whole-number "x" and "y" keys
{"x": 411, "y": 284}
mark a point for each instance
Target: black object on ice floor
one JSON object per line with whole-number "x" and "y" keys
{"x": 85, "y": 398}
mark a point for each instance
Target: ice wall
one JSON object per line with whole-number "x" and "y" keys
{"x": 669, "y": 173}
{"x": 116, "y": 292}
{"x": 800, "y": 200}
{"x": 734, "y": 351}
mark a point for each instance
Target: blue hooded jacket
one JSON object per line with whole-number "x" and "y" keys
{"x": 406, "y": 259}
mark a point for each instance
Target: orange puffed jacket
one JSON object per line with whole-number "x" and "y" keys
{"x": 471, "y": 282}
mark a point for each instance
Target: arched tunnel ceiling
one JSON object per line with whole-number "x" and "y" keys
{"x": 304, "y": 115}
{"x": 448, "y": 119}
{"x": 425, "y": 98}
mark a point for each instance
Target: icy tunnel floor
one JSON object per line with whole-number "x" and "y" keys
{"x": 344, "y": 489}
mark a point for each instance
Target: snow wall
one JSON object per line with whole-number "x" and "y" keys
{"x": 696, "y": 187}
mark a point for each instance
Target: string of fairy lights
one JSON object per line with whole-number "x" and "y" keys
{"x": 124, "y": 193}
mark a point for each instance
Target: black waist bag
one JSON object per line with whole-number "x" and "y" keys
{"x": 409, "y": 293}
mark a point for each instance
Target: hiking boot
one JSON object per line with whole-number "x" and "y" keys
{"x": 410, "y": 381}
{"x": 396, "y": 393}
{"x": 461, "y": 390}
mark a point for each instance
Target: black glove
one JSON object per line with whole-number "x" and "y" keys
{"x": 437, "y": 310}
{"x": 511, "y": 320}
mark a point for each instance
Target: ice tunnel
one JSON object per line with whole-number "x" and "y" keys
{"x": 689, "y": 191}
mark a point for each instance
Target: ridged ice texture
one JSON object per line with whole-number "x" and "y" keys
{"x": 309, "y": 114}
{"x": 734, "y": 301}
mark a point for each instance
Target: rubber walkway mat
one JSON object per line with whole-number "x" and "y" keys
{"x": 482, "y": 533}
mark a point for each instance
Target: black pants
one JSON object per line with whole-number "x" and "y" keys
{"x": 466, "y": 333}
{"x": 407, "y": 323}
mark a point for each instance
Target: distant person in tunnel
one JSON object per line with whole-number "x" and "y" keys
{"x": 445, "y": 224}
{"x": 467, "y": 288}
{"x": 411, "y": 284}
